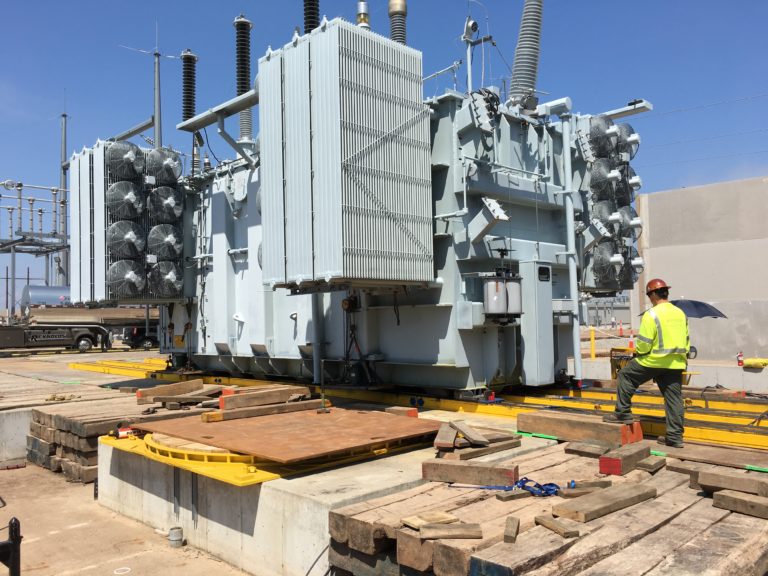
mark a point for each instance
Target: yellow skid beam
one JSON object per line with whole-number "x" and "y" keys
{"x": 238, "y": 469}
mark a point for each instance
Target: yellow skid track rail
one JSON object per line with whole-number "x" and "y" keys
{"x": 717, "y": 421}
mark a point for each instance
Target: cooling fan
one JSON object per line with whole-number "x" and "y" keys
{"x": 628, "y": 184}
{"x": 165, "y": 279}
{"x": 164, "y": 241}
{"x": 125, "y": 200}
{"x": 164, "y": 165}
{"x": 630, "y": 225}
{"x": 124, "y": 160}
{"x": 126, "y": 239}
{"x": 603, "y": 135}
{"x": 605, "y": 261}
{"x": 165, "y": 204}
{"x": 628, "y": 141}
{"x": 126, "y": 279}
{"x": 602, "y": 178}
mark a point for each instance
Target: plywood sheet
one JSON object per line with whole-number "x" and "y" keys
{"x": 298, "y": 436}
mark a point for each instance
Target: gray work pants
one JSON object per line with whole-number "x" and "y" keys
{"x": 671, "y": 385}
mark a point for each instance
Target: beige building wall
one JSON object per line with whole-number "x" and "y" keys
{"x": 710, "y": 243}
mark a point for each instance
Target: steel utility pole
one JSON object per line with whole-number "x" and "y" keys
{"x": 64, "y": 227}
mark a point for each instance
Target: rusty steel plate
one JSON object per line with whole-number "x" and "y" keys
{"x": 299, "y": 436}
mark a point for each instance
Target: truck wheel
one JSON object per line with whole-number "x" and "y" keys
{"x": 84, "y": 344}
{"x": 147, "y": 343}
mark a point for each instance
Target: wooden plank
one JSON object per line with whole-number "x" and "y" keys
{"x": 383, "y": 564}
{"x": 579, "y": 428}
{"x": 474, "y": 437}
{"x": 511, "y": 529}
{"x": 692, "y": 469}
{"x": 576, "y": 492}
{"x": 42, "y": 432}
{"x": 517, "y": 494}
{"x": 337, "y": 518}
{"x": 604, "y": 502}
{"x": 469, "y": 453}
{"x": 720, "y": 456}
{"x": 652, "y": 464}
{"x": 452, "y": 531}
{"x": 376, "y": 530}
{"x": 493, "y": 436}
{"x": 534, "y": 548}
{"x": 146, "y": 395}
{"x": 730, "y": 479}
{"x": 452, "y": 558}
{"x": 430, "y": 517}
{"x": 741, "y": 502}
{"x": 445, "y": 437}
{"x": 638, "y": 558}
{"x": 586, "y": 449}
{"x": 408, "y": 411}
{"x": 593, "y": 483}
{"x": 255, "y": 411}
{"x": 615, "y": 532}
{"x": 261, "y": 397}
{"x": 41, "y": 446}
{"x": 623, "y": 460}
{"x": 562, "y": 526}
{"x": 734, "y": 545}
{"x": 476, "y": 473}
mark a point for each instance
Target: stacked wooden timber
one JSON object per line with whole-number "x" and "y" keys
{"x": 636, "y": 523}
{"x": 457, "y": 440}
{"x": 64, "y": 437}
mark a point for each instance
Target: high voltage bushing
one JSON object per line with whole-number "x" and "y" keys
{"x": 188, "y": 87}
{"x": 243, "y": 71}
{"x": 311, "y": 15}
{"x": 398, "y": 11}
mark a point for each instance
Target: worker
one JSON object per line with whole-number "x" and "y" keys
{"x": 661, "y": 354}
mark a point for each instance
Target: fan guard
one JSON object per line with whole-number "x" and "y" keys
{"x": 124, "y": 160}
{"x": 126, "y": 239}
{"x": 628, "y": 140}
{"x": 602, "y": 136}
{"x": 164, "y": 165}
{"x": 165, "y": 242}
{"x": 165, "y": 279}
{"x": 126, "y": 279}
{"x": 125, "y": 200}
{"x": 165, "y": 204}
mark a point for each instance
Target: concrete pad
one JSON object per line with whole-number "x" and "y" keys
{"x": 67, "y": 533}
{"x": 276, "y": 528}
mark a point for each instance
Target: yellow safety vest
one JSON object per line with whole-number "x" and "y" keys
{"x": 663, "y": 338}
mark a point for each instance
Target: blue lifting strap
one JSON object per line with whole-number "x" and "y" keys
{"x": 536, "y": 489}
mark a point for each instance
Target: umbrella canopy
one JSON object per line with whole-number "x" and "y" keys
{"x": 697, "y": 309}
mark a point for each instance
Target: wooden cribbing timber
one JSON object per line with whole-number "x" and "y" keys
{"x": 630, "y": 524}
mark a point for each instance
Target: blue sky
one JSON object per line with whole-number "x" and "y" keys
{"x": 700, "y": 62}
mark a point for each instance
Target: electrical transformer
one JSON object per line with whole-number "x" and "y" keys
{"x": 369, "y": 236}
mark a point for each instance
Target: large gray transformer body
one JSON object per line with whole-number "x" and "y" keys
{"x": 382, "y": 238}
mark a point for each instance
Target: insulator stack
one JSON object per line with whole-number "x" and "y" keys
{"x": 398, "y": 11}
{"x": 188, "y": 85}
{"x": 311, "y": 15}
{"x": 243, "y": 71}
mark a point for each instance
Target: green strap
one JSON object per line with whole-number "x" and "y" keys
{"x": 534, "y": 435}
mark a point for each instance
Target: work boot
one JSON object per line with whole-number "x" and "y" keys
{"x": 617, "y": 418}
{"x": 673, "y": 443}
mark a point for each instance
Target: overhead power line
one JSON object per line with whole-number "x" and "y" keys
{"x": 656, "y": 114}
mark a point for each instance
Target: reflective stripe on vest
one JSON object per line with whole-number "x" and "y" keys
{"x": 660, "y": 349}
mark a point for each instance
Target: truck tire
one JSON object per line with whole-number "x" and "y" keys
{"x": 84, "y": 344}
{"x": 147, "y": 343}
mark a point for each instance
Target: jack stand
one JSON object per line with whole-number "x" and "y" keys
{"x": 323, "y": 408}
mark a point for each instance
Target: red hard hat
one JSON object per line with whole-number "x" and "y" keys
{"x": 655, "y": 284}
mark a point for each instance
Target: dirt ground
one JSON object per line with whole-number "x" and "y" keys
{"x": 66, "y": 532}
